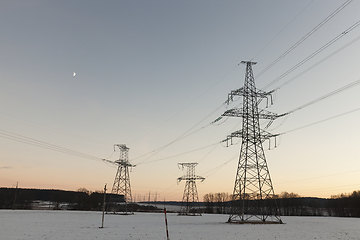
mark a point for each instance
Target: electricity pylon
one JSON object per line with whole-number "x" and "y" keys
{"x": 121, "y": 184}
{"x": 253, "y": 196}
{"x": 190, "y": 192}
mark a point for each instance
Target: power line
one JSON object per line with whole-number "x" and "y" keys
{"x": 319, "y": 167}
{"x": 182, "y": 136}
{"x": 180, "y": 154}
{"x": 198, "y": 97}
{"x": 337, "y": 187}
{"x": 314, "y": 53}
{"x": 13, "y": 118}
{"x": 207, "y": 154}
{"x": 321, "y": 121}
{"x": 215, "y": 146}
{"x": 328, "y": 95}
{"x": 186, "y": 133}
{"x": 282, "y": 30}
{"x": 325, "y": 176}
{"x": 45, "y": 145}
{"x": 154, "y": 152}
{"x": 217, "y": 168}
{"x": 353, "y": 84}
{"x": 319, "y": 62}
{"x": 339, "y": 90}
{"x": 305, "y": 37}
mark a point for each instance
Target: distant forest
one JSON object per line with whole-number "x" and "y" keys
{"x": 12, "y": 198}
{"x": 290, "y": 204}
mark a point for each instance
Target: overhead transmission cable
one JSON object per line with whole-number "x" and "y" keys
{"x": 282, "y": 30}
{"x": 214, "y": 145}
{"x": 154, "y": 152}
{"x": 319, "y": 62}
{"x": 33, "y": 124}
{"x": 339, "y": 90}
{"x": 45, "y": 145}
{"x": 314, "y": 53}
{"x": 320, "y": 167}
{"x": 180, "y": 154}
{"x": 331, "y": 175}
{"x": 305, "y": 37}
{"x": 324, "y": 120}
{"x": 186, "y": 134}
{"x": 197, "y": 98}
{"x": 328, "y": 95}
{"x": 182, "y": 136}
{"x": 207, "y": 154}
{"x": 217, "y": 168}
{"x": 336, "y": 187}
{"x": 313, "y": 66}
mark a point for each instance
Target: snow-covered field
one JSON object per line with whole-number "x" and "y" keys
{"x": 71, "y": 225}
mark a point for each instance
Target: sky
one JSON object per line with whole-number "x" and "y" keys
{"x": 155, "y": 74}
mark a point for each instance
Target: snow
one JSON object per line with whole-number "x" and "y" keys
{"x": 77, "y": 225}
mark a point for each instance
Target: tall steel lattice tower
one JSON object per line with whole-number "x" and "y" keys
{"x": 190, "y": 196}
{"x": 253, "y": 196}
{"x": 121, "y": 184}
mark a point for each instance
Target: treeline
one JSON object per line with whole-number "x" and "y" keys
{"x": 345, "y": 205}
{"x": 292, "y": 204}
{"x": 82, "y": 199}
{"x": 217, "y": 202}
{"x": 52, "y": 199}
{"x": 289, "y": 204}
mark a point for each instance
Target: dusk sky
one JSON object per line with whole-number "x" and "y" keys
{"x": 149, "y": 73}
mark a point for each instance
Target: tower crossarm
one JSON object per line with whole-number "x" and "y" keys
{"x": 263, "y": 114}
{"x": 249, "y": 137}
{"x": 124, "y": 163}
{"x": 193, "y": 178}
{"x": 242, "y": 92}
{"x": 108, "y": 161}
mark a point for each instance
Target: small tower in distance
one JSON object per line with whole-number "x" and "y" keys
{"x": 190, "y": 196}
{"x": 121, "y": 186}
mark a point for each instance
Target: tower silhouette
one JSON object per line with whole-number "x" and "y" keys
{"x": 253, "y": 195}
{"x": 190, "y": 196}
{"x": 121, "y": 186}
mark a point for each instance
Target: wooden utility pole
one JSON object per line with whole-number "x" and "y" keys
{"x": 103, "y": 215}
